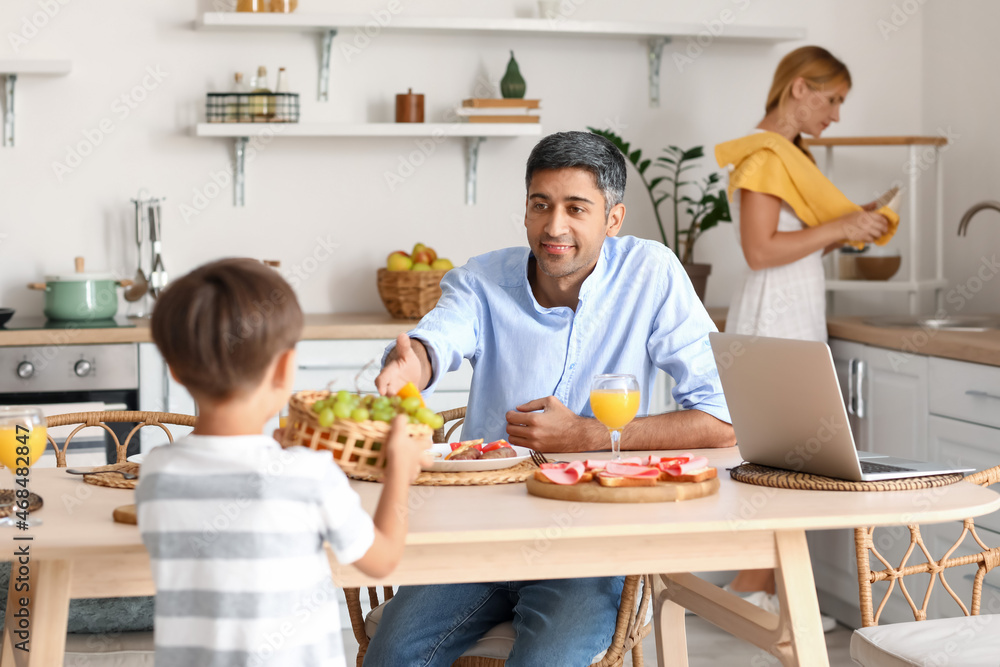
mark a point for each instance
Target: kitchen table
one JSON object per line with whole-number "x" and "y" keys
{"x": 463, "y": 534}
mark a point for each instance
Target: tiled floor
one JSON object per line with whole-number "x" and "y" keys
{"x": 707, "y": 647}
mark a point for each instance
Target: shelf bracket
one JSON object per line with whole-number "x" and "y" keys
{"x": 324, "y": 65}
{"x": 655, "y": 52}
{"x": 8, "y": 109}
{"x": 239, "y": 173}
{"x": 471, "y": 167}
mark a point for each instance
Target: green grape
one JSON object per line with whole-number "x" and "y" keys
{"x": 326, "y": 417}
{"x": 381, "y": 403}
{"x": 360, "y": 414}
{"x": 395, "y": 401}
{"x": 317, "y": 407}
{"x": 383, "y": 414}
{"x": 343, "y": 395}
{"x": 424, "y": 415}
{"x": 437, "y": 422}
{"x": 411, "y": 404}
{"x": 342, "y": 410}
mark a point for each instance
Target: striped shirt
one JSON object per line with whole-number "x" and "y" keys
{"x": 235, "y": 528}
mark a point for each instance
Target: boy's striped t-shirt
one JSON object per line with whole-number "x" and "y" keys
{"x": 235, "y": 526}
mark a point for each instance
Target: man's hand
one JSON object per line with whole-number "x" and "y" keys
{"x": 408, "y": 362}
{"x": 545, "y": 424}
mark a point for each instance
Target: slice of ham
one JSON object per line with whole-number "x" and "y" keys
{"x": 627, "y": 470}
{"x": 595, "y": 464}
{"x": 564, "y": 473}
{"x": 679, "y": 466}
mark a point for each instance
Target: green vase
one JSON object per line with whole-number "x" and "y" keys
{"x": 512, "y": 84}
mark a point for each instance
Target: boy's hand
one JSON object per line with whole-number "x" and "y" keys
{"x": 404, "y": 455}
{"x": 407, "y": 362}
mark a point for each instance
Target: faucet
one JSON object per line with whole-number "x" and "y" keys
{"x": 963, "y": 225}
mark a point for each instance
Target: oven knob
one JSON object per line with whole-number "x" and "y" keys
{"x": 25, "y": 370}
{"x": 82, "y": 368}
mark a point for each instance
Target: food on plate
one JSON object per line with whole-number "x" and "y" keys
{"x": 467, "y": 450}
{"x": 364, "y": 407}
{"x": 634, "y": 471}
{"x": 498, "y": 449}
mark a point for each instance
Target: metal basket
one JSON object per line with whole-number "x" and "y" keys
{"x": 252, "y": 108}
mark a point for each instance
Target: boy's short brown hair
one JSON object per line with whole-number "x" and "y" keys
{"x": 221, "y": 326}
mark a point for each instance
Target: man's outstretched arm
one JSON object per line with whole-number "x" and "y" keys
{"x": 547, "y": 425}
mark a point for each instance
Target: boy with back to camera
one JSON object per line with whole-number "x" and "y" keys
{"x": 233, "y": 523}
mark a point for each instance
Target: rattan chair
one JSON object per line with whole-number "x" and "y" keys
{"x": 631, "y": 625}
{"x": 892, "y": 644}
{"x": 101, "y": 420}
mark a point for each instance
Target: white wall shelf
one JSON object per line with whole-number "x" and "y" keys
{"x": 10, "y": 69}
{"x": 657, "y": 35}
{"x": 913, "y": 284}
{"x": 473, "y": 134}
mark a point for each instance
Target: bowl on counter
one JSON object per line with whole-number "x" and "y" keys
{"x": 877, "y": 268}
{"x": 5, "y": 315}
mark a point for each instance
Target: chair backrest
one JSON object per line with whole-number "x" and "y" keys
{"x": 440, "y": 435}
{"x": 101, "y": 419}
{"x": 986, "y": 559}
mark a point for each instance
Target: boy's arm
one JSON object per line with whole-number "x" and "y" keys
{"x": 404, "y": 456}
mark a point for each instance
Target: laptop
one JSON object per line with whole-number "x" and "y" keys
{"x": 788, "y": 412}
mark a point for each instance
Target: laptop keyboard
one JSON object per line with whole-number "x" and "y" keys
{"x": 870, "y": 467}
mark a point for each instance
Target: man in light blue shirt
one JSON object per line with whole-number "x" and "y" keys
{"x": 537, "y": 324}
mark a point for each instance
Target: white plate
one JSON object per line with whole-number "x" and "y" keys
{"x": 476, "y": 465}
{"x": 136, "y": 458}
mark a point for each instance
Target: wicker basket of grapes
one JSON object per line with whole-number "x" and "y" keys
{"x": 354, "y": 426}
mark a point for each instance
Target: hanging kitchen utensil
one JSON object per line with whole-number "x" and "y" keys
{"x": 157, "y": 272}
{"x": 139, "y": 285}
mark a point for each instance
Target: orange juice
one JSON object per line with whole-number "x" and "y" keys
{"x": 9, "y": 445}
{"x": 282, "y": 421}
{"x": 614, "y": 408}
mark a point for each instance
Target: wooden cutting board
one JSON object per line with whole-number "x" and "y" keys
{"x": 125, "y": 514}
{"x": 592, "y": 492}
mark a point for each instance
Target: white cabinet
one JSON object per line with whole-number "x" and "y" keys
{"x": 159, "y": 392}
{"x": 915, "y": 407}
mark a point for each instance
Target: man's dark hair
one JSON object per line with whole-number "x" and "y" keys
{"x": 582, "y": 150}
{"x": 221, "y": 326}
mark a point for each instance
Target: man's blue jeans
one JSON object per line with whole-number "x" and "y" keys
{"x": 559, "y": 622}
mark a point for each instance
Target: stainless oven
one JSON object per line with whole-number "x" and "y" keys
{"x": 75, "y": 378}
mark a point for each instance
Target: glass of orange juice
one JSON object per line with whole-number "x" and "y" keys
{"x": 614, "y": 399}
{"x": 22, "y": 441}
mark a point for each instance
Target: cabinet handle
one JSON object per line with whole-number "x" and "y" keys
{"x": 320, "y": 367}
{"x": 850, "y": 386}
{"x": 859, "y": 379}
{"x": 982, "y": 394}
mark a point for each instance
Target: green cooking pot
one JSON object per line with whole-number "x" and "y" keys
{"x": 80, "y": 296}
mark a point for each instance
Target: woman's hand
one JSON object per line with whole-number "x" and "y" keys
{"x": 863, "y": 226}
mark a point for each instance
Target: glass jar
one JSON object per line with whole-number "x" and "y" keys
{"x": 284, "y": 6}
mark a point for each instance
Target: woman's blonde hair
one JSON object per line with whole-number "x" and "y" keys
{"x": 817, "y": 66}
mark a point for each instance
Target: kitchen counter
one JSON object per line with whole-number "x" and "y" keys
{"x": 972, "y": 346}
{"x": 318, "y": 326}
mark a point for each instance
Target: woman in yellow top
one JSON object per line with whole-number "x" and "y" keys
{"x": 786, "y": 214}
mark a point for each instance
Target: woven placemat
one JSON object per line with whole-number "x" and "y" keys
{"x": 513, "y": 475}
{"x": 114, "y": 481}
{"x": 751, "y": 473}
{"x": 8, "y": 496}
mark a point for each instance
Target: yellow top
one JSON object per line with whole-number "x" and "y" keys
{"x": 769, "y": 163}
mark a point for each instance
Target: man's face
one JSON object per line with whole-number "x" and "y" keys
{"x": 565, "y": 221}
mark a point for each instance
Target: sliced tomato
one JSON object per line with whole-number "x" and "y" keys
{"x": 456, "y": 445}
{"x": 496, "y": 444}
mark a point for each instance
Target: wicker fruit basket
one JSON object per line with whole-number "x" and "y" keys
{"x": 409, "y": 295}
{"x": 356, "y": 446}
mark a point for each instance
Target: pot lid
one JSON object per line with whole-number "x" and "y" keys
{"x": 78, "y": 277}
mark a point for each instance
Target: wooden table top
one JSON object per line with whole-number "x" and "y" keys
{"x": 77, "y": 516}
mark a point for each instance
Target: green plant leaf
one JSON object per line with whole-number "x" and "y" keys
{"x": 686, "y": 167}
{"x": 656, "y": 181}
{"x": 692, "y": 153}
{"x": 665, "y": 160}
{"x": 635, "y": 157}
{"x": 643, "y": 166}
{"x": 717, "y": 211}
{"x": 659, "y": 200}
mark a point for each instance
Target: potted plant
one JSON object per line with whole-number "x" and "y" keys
{"x": 703, "y": 201}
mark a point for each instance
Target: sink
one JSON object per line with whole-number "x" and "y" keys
{"x": 949, "y": 323}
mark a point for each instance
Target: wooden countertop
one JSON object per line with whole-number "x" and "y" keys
{"x": 975, "y": 347}
{"x": 319, "y": 326}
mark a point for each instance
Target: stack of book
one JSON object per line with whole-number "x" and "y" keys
{"x": 499, "y": 110}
